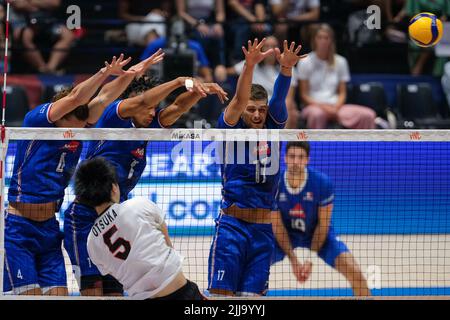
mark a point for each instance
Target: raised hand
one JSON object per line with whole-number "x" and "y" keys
{"x": 289, "y": 57}
{"x": 254, "y": 55}
{"x": 214, "y": 88}
{"x": 140, "y": 68}
{"x": 115, "y": 68}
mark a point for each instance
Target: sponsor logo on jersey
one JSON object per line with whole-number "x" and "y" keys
{"x": 297, "y": 211}
{"x": 138, "y": 153}
{"x": 309, "y": 196}
{"x": 283, "y": 196}
{"x": 71, "y": 146}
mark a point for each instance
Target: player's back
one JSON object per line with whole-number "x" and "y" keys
{"x": 126, "y": 241}
{"x": 300, "y": 207}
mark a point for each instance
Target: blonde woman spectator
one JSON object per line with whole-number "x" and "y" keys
{"x": 322, "y": 79}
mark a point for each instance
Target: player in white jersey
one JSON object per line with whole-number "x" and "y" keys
{"x": 130, "y": 240}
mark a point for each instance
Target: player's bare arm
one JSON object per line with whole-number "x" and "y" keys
{"x": 323, "y": 226}
{"x": 115, "y": 88}
{"x": 289, "y": 58}
{"x": 184, "y": 102}
{"x": 253, "y": 56}
{"x": 152, "y": 97}
{"x": 283, "y": 240}
{"x": 83, "y": 92}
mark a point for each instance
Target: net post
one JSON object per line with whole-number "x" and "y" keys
{"x": 3, "y": 151}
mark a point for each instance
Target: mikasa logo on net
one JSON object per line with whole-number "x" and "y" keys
{"x": 186, "y": 136}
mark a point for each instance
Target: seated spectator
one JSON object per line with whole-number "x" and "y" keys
{"x": 246, "y": 21}
{"x": 33, "y": 22}
{"x": 397, "y": 20}
{"x": 141, "y": 13}
{"x": 205, "y": 19}
{"x": 423, "y": 60}
{"x": 296, "y": 11}
{"x": 322, "y": 79}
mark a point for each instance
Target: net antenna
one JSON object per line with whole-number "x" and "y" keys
{"x": 4, "y": 148}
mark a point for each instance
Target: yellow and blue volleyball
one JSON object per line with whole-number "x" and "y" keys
{"x": 425, "y": 29}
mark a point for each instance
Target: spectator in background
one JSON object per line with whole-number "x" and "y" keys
{"x": 423, "y": 60}
{"x": 246, "y": 20}
{"x": 141, "y": 13}
{"x": 205, "y": 19}
{"x": 298, "y": 11}
{"x": 33, "y": 22}
{"x": 322, "y": 79}
{"x": 265, "y": 74}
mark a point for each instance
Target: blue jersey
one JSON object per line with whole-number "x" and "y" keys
{"x": 300, "y": 207}
{"x": 128, "y": 157}
{"x": 42, "y": 169}
{"x": 250, "y": 171}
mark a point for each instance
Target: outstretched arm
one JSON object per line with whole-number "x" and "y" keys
{"x": 154, "y": 96}
{"x": 82, "y": 93}
{"x": 186, "y": 101}
{"x": 115, "y": 88}
{"x": 253, "y": 56}
{"x": 287, "y": 60}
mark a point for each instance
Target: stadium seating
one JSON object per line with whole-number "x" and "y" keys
{"x": 417, "y": 108}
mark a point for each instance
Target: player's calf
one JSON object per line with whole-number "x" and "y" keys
{"x": 347, "y": 266}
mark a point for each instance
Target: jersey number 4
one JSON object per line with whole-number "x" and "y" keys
{"x": 116, "y": 245}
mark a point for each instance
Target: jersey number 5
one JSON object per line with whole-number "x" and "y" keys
{"x": 116, "y": 245}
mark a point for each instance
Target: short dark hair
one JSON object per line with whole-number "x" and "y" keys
{"x": 80, "y": 112}
{"x": 94, "y": 181}
{"x": 140, "y": 85}
{"x": 299, "y": 144}
{"x": 258, "y": 93}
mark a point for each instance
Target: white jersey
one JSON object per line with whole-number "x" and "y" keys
{"x": 126, "y": 242}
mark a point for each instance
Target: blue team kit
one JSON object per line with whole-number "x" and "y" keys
{"x": 129, "y": 159}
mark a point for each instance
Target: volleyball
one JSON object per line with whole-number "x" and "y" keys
{"x": 425, "y": 29}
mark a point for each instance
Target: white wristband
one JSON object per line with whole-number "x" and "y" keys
{"x": 189, "y": 84}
